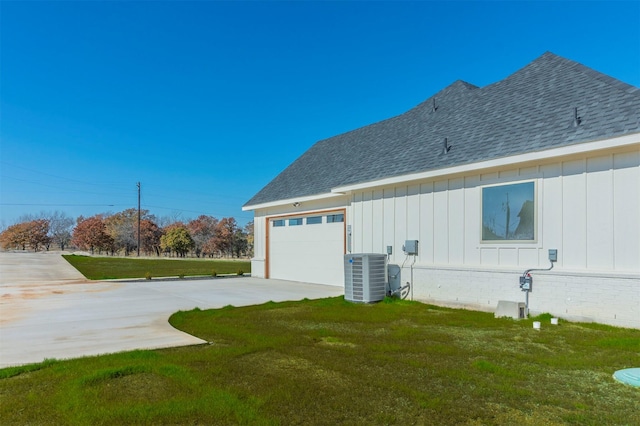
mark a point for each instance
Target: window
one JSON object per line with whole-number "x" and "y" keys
{"x": 508, "y": 212}
{"x": 332, "y": 218}
{"x": 295, "y": 222}
{"x": 279, "y": 222}
{"x": 312, "y": 220}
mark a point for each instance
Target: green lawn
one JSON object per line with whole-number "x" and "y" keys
{"x": 330, "y": 362}
{"x": 101, "y": 268}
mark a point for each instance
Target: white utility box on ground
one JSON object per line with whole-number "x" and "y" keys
{"x": 515, "y": 310}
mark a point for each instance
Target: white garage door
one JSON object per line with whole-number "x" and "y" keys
{"x": 307, "y": 248}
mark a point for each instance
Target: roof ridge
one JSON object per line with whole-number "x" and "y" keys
{"x": 456, "y": 89}
{"x": 557, "y": 60}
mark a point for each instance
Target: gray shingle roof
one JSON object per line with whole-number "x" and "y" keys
{"x": 531, "y": 110}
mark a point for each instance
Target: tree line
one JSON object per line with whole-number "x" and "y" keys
{"x": 117, "y": 234}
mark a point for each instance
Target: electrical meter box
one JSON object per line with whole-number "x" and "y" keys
{"x": 410, "y": 247}
{"x": 525, "y": 282}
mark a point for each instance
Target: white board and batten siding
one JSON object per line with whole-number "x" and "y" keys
{"x": 587, "y": 206}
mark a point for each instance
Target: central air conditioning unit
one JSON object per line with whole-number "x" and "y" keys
{"x": 364, "y": 277}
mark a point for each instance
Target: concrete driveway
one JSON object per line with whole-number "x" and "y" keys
{"x": 49, "y": 310}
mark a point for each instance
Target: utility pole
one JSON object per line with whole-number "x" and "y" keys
{"x": 138, "y": 219}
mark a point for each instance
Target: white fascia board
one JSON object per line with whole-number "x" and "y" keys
{"x": 623, "y": 141}
{"x": 277, "y": 203}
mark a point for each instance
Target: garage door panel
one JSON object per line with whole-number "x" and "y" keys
{"x": 309, "y": 253}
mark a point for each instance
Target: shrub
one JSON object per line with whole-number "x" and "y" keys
{"x": 240, "y": 272}
{"x": 147, "y": 275}
{"x": 181, "y": 276}
{"x": 214, "y": 273}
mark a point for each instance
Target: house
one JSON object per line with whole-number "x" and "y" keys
{"x": 487, "y": 179}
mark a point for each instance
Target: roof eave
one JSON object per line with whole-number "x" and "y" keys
{"x": 278, "y": 203}
{"x": 597, "y": 145}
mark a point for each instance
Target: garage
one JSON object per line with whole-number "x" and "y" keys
{"x": 307, "y": 247}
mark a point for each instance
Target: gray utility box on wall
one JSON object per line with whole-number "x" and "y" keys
{"x": 364, "y": 277}
{"x": 410, "y": 247}
{"x": 395, "y": 280}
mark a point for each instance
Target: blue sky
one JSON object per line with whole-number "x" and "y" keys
{"x": 205, "y": 102}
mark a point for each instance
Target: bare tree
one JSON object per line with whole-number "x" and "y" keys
{"x": 60, "y": 228}
{"x": 168, "y": 220}
{"x": 123, "y": 228}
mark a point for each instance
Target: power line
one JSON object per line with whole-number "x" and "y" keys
{"x": 64, "y": 189}
{"x": 108, "y": 184}
{"x": 58, "y": 177}
{"x": 61, "y": 205}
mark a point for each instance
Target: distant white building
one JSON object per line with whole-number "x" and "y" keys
{"x": 487, "y": 180}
